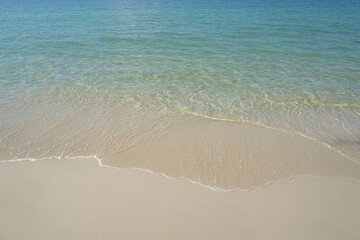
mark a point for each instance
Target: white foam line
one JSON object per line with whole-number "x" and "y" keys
{"x": 327, "y": 146}
{"x": 216, "y": 189}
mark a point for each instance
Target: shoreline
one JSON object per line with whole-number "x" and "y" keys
{"x": 77, "y": 199}
{"x": 220, "y": 155}
{"x": 215, "y": 189}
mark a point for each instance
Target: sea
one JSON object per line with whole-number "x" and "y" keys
{"x": 160, "y": 84}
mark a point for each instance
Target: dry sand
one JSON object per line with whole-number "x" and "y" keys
{"x": 77, "y": 199}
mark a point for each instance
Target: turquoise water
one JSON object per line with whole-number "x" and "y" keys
{"x": 140, "y": 66}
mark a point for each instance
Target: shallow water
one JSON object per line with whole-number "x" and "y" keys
{"x": 100, "y": 77}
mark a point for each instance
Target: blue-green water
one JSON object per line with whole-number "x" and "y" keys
{"x": 128, "y": 68}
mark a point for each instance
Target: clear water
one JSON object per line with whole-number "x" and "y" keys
{"x": 130, "y": 68}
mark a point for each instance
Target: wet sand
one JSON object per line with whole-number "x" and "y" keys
{"x": 77, "y": 199}
{"x": 229, "y": 156}
{"x": 220, "y": 154}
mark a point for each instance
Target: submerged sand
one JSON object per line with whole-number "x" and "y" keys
{"x": 230, "y": 155}
{"x": 220, "y": 154}
{"x": 77, "y": 199}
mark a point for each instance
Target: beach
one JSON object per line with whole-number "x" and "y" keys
{"x": 77, "y": 199}
{"x": 207, "y": 119}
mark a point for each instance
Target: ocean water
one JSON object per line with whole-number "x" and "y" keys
{"x": 81, "y": 78}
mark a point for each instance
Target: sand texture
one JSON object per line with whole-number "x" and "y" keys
{"x": 77, "y": 199}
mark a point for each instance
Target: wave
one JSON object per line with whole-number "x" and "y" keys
{"x": 216, "y": 189}
{"x": 288, "y": 130}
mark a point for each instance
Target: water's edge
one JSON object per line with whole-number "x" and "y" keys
{"x": 216, "y": 189}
